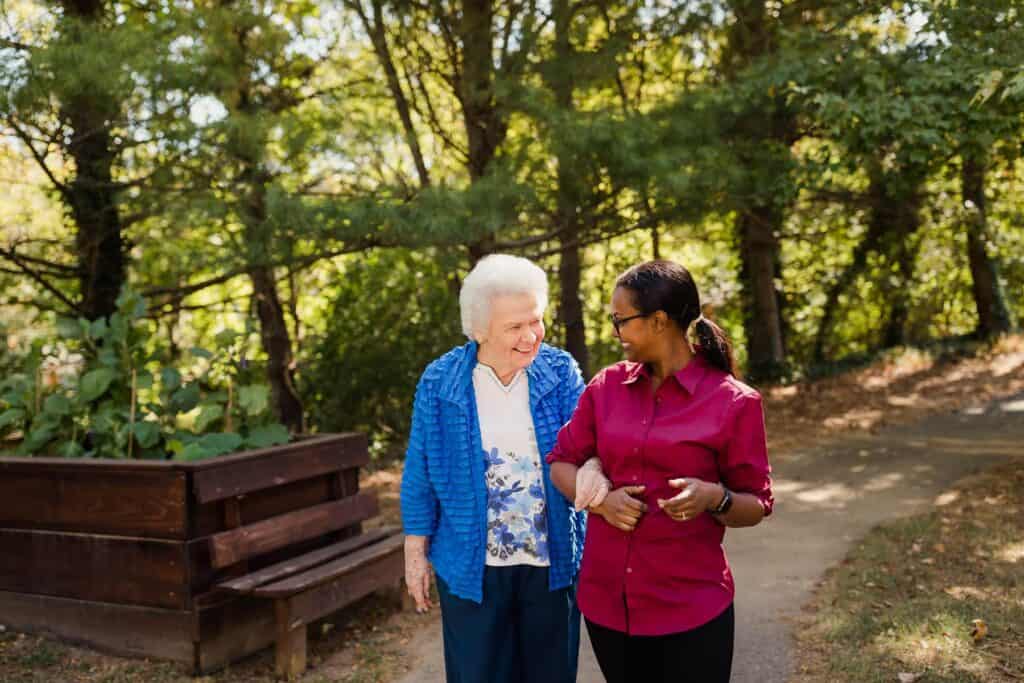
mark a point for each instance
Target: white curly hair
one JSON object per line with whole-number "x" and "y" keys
{"x": 493, "y": 276}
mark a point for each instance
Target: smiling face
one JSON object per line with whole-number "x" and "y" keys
{"x": 634, "y": 334}
{"x": 513, "y": 336}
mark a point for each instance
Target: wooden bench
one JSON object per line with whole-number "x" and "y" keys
{"x": 311, "y": 584}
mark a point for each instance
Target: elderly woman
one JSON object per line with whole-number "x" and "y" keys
{"x": 477, "y": 499}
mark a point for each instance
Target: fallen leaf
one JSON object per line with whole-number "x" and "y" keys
{"x": 908, "y": 678}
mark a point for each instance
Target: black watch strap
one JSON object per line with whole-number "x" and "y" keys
{"x": 726, "y": 503}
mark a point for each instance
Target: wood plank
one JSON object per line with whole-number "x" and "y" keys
{"x": 290, "y": 647}
{"x": 205, "y": 576}
{"x": 263, "y": 504}
{"x": 230, "y": 631}
{"x": 265, "y": 468}
{"x": 329, "y": 571}
{"x": 137, "y": 571}
{"x": 229, "y": 547}
{"x": 19, "y": 464}
{"x": 125, "y": 502}
{"x": 321, "y": 600}
{"x": 120, "y": 629}
{"x": 283, "y": 570}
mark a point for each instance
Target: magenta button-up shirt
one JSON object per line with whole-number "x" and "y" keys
{"x": 664, "y": 576}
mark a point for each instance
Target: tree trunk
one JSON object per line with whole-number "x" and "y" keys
{"x": 870, "y": 243}
{"x": 278, "y": 347}
{"x": 91, "y": 194}
{"x": 251, "y": 185}
{"x": 569, "y": 198}
{"x": 897, "y": 208}
{"x": 485, "y": 128}
{"x": 762, "y": 315}
{"x": 485, "y": 125}
{"x": 753, "y": 36}
{"x": 276, "y": 341}
{"x": 904, "y": 253}
{"x": 994, "y": 317}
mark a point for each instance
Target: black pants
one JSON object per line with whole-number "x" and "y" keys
{"x": 702, "y": 655}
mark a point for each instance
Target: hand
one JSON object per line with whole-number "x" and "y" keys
{"x": 695, "y": 496}
{"x": 591, "y": 485}
{"x": 622, "y": 508}
{"x": 417, "y": 572}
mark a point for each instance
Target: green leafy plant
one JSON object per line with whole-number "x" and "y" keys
{"x": 118, "y": 401}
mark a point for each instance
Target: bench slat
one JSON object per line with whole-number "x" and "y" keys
{"x": 325, "y": 573}
{"x": 229, "y": 547}
{"x": 292, "y": 566}
{"x": 329, "y": 597}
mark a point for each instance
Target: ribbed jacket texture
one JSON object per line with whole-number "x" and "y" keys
{"x": 444, "y": 495}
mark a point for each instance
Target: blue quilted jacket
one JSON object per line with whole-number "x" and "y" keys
{"x": 444, "y": 495}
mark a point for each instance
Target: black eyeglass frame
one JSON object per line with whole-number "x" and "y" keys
{"x": 617, "y": 323}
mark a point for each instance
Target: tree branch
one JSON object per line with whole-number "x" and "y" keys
{"x": 17, "y": 260}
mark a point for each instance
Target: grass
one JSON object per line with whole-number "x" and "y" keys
{"x": 905, "y": 600}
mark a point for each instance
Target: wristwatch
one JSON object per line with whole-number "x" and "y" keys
{"x": 726, "y": 503}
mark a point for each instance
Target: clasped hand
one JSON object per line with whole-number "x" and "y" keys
{"x": 623, "y": 507}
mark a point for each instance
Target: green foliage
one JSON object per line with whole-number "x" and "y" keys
{"x": 363, "y": 369}
{"x": 116, "y": 400}
{"x": 266, "y": 135}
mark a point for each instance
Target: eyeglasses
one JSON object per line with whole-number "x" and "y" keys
{"x": 617, "y": 322}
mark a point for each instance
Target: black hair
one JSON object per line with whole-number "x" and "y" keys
{"x": 668, "y": 286}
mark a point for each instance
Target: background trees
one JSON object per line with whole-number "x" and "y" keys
{"x": 316, "y": 177}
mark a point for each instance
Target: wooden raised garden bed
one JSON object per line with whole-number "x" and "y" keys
{"x": 125, "y": 555}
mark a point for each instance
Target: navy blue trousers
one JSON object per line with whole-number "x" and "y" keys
{"x": 520, "y": 632}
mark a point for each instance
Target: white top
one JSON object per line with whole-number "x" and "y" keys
{"x": 516, "y": 515}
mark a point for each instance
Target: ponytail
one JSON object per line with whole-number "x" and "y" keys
{"x": 713, "y": 345}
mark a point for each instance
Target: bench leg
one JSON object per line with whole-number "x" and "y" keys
{"x": 291, "y": 644}
{"x": 397, "y": 595}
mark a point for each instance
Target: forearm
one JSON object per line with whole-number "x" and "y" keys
{"x": 417, "y": 544}
{"x": 746, "y": 510}
{"x": 563, "y": 476}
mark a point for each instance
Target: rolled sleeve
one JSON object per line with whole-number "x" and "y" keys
{"x": 418, "y": 502}
{"x": 743, "y": 463}
{"x": 577, "y": 439}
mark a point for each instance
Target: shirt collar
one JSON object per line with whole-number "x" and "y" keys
{"x": 688, "y": 377}
{"x": 488, "y": 371}
{"x": 457, "y": 386}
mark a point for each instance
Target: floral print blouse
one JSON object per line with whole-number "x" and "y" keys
{"x": 516, "y": 515}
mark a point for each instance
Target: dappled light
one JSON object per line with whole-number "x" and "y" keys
{"x": 234, "y": 235}
{"x": 1012, "y": 552}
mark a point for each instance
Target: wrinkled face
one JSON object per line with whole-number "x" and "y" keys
{"x": 513, "y": 336}
{"x": 633, "y": 332}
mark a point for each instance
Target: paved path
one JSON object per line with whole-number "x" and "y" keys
{"x": 828, "y": 497}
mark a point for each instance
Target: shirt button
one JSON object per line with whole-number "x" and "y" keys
{"x": 643, "y": 421}
{"x": 629, "y": 570}
{"x": 634, "y": 477}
